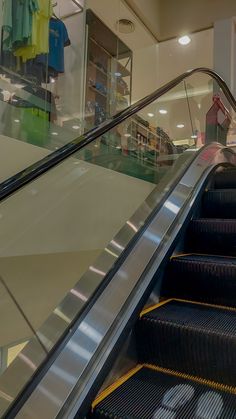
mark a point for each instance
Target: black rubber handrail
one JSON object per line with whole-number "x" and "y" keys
{"x": 42, "y": 166}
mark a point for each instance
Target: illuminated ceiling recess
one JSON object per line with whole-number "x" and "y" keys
{"x": 125, "y": 26}
{"x": 184, "y": 40}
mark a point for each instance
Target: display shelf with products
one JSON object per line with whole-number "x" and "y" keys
{"x": 108, "y": 73}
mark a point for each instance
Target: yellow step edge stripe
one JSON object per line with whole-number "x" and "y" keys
{"x": 200, "y": 254}
{"x": 180, "y": 255}
{"x": 161, "y": 303}
{"x": 205, "y": 304}
{"x": 213, "y": 384}
{"x": 151, "y": 308}
{"x": 115, "y": 385}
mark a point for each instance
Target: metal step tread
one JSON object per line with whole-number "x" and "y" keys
{"x": 204, "y": 278}
{"x": 194, "y": 338}
{"x": 219, "y": 203}
{"x": 212, "y": 236}
{"x": 152, "y": 393}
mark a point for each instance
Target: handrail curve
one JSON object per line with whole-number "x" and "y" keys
{"x": 35, "y": 170}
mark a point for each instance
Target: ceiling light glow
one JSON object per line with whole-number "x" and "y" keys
{"x": 180, "y": 126}
{"x": 150, "y": 114}
{"x": 163, "y": 111}
{"x": 184, "y": 40}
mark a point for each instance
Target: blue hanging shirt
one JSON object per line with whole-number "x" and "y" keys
{"x": 58, "y": 40}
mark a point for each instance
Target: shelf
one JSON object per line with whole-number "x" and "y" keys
{"x": 97, "y": 91}
{"x": 120, "y": 69}
{"x": 98, "y": 68}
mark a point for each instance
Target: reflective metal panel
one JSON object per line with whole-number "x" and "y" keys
{"x": 77, "y": 365}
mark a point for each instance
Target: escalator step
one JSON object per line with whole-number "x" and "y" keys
{"x": 153, "y": 394}
{"x": 219, "y": 203}
{"x": 209, "y": 279}
{"x": 225, "y": 179}
{"x": 192, "y": 338}
{"x": 212, "y": 236}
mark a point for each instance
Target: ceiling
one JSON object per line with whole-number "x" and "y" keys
{"x": 110, "y": 13}
{"x": 167, "y": 19}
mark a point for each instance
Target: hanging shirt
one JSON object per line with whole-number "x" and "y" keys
{"x": 7, "y": 25}
{"x": 39, "y": 40}
{"x": 58, "y": 40}
{"x": 22, "y": 15}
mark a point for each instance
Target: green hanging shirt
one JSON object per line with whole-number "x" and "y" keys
{"x": 7, "y": 25}
{"x": 17, "y": 22}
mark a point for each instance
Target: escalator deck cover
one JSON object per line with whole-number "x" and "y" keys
{"x": 150, "y": 394}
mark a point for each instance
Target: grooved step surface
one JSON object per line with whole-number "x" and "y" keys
{"x": 154, "y": 395}
{"x": 191, "y": 338}
{"x": 209, "y": 279}
{"x": 212, "y": 236}
{"x": 219, "y": 203}
{"x": 225, "y": 179}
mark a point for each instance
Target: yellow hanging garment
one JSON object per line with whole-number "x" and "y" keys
{"x": 39, "y": 43}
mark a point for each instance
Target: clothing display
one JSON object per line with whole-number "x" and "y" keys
{"x": 58, "y": 40}
{"x": 25, "y": 27}
{"x": 39, "y": 38}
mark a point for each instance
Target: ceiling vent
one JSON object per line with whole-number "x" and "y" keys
{"x": 125, "y": 26}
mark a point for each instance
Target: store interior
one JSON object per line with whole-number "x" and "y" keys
{"x": 91, "y": 67}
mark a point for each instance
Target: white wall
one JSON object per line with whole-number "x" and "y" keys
{"x": 175, "y": 59}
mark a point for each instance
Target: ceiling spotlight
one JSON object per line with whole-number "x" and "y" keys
{"x": 150, "y": 114}
{"x": 76, "y": 127}
{"x": 54, "y": 133}
{"x": 125, "y": 26}
{"x": 163, "y": 111}
{"x": 184, "y": 40}
{"x": 180, "y": 126}
{"x": 16, "y": 120}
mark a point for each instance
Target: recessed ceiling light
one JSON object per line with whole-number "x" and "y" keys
{"x": 16, "y": 120}
{"x": 180, "y": 126}
{"x": 76, "y": 127}
{"x": 150, "y": 114}
{"x": 54, "y": 133}
{"x": 125, "y": 26}
{"x": 184, "y": 40}
{"x": 163, "y": 111}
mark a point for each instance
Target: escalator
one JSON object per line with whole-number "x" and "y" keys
{"x": 186, "y": 343}
{"x": 119, "y": 283}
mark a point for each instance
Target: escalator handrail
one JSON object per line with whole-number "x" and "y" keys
{"x": 35, "y": 170}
